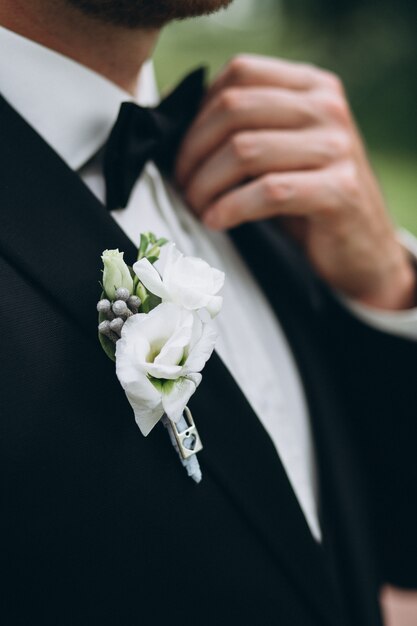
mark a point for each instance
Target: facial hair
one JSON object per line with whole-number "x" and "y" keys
{"x": 146, "y": 13}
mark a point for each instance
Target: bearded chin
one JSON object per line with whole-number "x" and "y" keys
{"x": 146, "y": 13}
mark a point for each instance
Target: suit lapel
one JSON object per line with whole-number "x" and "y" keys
{"x": 52, "y": 227}
{"x": 54, "y": 231}
{"x": 299, "y": 299}
{"x": 241, "y": 457}
{"x": 279, "y": 265}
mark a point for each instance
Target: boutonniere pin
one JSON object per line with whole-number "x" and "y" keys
{"x": 156, "y": 323}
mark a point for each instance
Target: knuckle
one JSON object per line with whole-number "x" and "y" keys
{"x": 309, "y": 70}
{"x": 349, "y": 183}
{"x": 244, "y": 148}
{"x": 326, "y": 77}
{"x": 238, "y": 67}
{"x": 275, "y": 190}
{"x": 308, "y": 112}
{"x": 333, "y": 81}
{"x": 334, "y": 146}
{"x": 317, "y": 76}
{"x": 229, "y": 100}
{"x": 335, "y": 107}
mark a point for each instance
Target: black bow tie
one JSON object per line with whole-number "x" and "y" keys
{"x": 142, "y": 133}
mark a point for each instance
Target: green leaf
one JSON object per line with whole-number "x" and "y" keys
{"x": 141, "y": 292}
{"x": 144, "y": 307}
{"x": 152, "y": 301}
{"x": 152, "y": 259}
{"x": 153, "y": 252}
{"x": 162, "y": 242}
{"x": 143, "y": 246}
{"x": 108, "y": 346}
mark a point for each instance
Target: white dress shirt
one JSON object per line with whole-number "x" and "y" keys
{"x": 74, "y": 109}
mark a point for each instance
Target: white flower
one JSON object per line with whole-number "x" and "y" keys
{"x": 187, "y": 281}
{"x": 116, "y": 273}
{"x": 159, "y": 358}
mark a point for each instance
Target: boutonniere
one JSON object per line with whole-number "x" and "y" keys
{"x": 156, "y": 323}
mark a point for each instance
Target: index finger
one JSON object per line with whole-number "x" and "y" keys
{"x": 260, "y": 71}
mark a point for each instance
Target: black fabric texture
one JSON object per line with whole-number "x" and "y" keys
{"x": 99, "y": 525}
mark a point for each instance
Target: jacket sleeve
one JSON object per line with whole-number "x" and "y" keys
{"x": 377, "y": 373}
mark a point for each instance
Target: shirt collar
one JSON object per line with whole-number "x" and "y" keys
{"x": 72, "y": 107}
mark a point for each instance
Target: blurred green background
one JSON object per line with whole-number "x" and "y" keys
{"x": 371, "y": 44}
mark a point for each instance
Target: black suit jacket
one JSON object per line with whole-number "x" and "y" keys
{"x": 100, "y": 525}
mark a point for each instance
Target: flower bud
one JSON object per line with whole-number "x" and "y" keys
{"x": 116, "y": 273}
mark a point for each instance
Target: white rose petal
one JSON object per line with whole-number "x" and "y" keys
{"x": 158, "y": 360}
{"x": 150, "y": 278}
{"x": 214, "y": 306}
{"x": 187, "y": 281}
{"x": 203, "y": 348}
{"x": 175, "y": 402}
{"x": 142, "y": 395}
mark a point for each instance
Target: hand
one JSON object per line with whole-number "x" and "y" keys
{"x": 277, "y": 139}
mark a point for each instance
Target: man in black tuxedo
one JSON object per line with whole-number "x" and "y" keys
{"x": 299, "y": 519}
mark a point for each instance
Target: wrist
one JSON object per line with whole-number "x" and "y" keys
{"x": 397, "y": 289}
